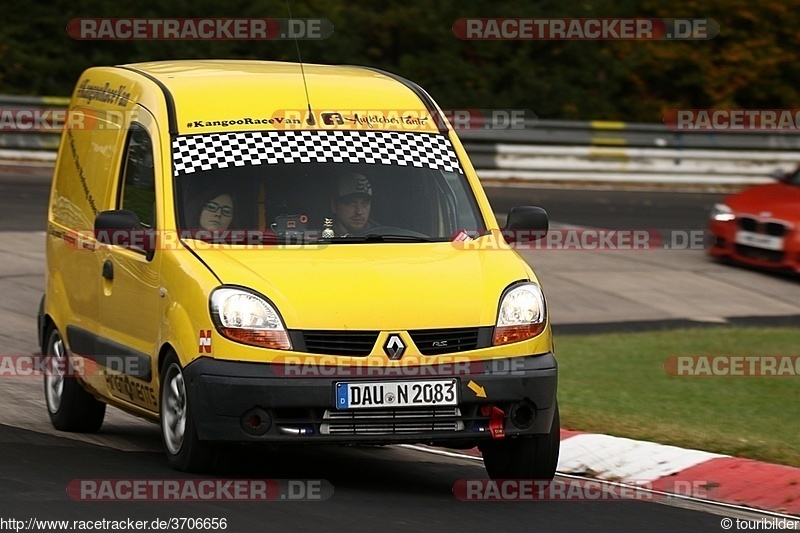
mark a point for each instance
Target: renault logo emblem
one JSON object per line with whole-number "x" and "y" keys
{"x": 394, "y": 347}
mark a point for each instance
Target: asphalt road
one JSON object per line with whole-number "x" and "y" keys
{"x": 23, "y": 203}
{"x": 385, "y": 489}
{"x": 390, "y": 488}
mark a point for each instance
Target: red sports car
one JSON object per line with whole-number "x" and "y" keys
{"x": 760, "y": 226}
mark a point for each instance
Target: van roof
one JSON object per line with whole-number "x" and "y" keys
{"x": 210, "y": 92}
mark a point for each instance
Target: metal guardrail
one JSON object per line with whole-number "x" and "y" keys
{"x": 631, "y": 134}
{"x": 625, "y": 164}
{"x": 603, "y": 151}
{"x": 35, "y": 138}
{"x": 549, "y": 150}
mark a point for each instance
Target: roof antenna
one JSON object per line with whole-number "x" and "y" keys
{"x": 310, "y": 120}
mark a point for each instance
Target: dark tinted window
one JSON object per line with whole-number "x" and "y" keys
{"x": 412, "y": 192}
{"x": 138, "y": 176}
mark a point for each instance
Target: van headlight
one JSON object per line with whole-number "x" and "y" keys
{"x": 247, "y": 317}
{"x": 722, "y": 213}
{"x": 522, "y": 314}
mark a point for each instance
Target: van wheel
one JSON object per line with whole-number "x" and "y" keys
{"x": 185, "y": 451}
{"x": 529, "y": 457}
{"x": 70, "y": 407}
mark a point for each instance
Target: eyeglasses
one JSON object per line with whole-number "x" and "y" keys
{"x": 213, "y": 207}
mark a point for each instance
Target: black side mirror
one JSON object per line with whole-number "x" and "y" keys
{"x": 122, "y": 228}
{"x": 525, "y": 224}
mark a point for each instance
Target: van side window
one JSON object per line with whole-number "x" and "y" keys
{"x": 138, "y": 192}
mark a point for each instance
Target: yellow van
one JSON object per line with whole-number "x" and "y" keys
{"x": 266, "y": 252}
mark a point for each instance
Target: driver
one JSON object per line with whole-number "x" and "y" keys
{"x": 351, "y": 204}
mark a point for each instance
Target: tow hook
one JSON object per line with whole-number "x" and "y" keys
{"x": 496, "y": 415}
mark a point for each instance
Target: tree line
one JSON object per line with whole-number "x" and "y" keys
{"x": 751, "y": 64}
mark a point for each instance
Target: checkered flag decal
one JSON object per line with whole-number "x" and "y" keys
{"x": 195, "y": 153}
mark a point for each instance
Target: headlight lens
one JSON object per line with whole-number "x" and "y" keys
{"x": 722, "y": 213}
{"x": 248, "y": 318}
{"x": 522, "y": 315}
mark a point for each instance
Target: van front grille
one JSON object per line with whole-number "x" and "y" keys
{"x": 353, "y": 343}
{"x": 442, "y": 341}
{"x": 362, "y": 343}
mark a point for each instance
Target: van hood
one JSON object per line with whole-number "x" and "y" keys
{"x": 374, "y": 286}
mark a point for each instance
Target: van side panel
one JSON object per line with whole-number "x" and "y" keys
{"x": 84, "y": 183}
{"x": 82, "y": 187}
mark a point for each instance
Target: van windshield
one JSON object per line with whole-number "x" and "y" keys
{"x": 334, "y": 186}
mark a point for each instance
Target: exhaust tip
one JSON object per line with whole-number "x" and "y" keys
{"x": 522, "y": 415}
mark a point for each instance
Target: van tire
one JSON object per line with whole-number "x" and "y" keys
{"x": 185, "y": 451}
{"x": 70, "y": 407}
{"x": 528, "y": 457}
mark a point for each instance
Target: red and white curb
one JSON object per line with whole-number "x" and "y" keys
{"x": 724, "y": 479}
{"x": 619, "y": 459}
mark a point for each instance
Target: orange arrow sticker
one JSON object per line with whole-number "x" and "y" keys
{"x": 479, "y": 391}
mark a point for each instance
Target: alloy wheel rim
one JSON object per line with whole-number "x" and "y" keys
{"x": 54, "y": 375}
{"x": 174, "y": 410}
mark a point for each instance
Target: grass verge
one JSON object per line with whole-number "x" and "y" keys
{"x": 617, "y": 384}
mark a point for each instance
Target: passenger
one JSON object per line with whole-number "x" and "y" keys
{"x": 217, "y": 213}
{"x": 212, "y": 211}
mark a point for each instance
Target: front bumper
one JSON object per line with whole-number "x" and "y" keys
{"x": 259, "y": 402}
{"x": 724, "y": 246}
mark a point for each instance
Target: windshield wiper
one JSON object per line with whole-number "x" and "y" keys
{"x": 374, "y": 237}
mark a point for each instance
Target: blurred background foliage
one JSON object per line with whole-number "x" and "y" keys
{"x": 751, "y": 64}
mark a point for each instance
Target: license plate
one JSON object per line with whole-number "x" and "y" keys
{"x": 767, "y": 242}
{"x": 391, "y": 394}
